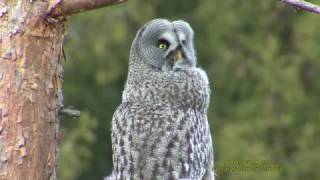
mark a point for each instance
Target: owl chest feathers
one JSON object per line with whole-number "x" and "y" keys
{"x": 182, "y": 89}
{"x": 161, "y": 127}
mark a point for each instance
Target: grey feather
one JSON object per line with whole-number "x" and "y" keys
{"x": 161, "y": 131}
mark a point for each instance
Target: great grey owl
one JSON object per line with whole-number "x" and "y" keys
{"x": 160, "y": 130}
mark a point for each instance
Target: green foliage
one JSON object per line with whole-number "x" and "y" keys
{"x": 262, "y": 58}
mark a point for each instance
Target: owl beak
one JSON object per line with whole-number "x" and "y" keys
{"x": 177, "y": 56}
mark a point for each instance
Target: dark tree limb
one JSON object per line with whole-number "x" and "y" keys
{"x": 304, "y": 5}
{"x": 68, "y": 7}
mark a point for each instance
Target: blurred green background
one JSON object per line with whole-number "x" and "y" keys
{"x": 262, "y": 58}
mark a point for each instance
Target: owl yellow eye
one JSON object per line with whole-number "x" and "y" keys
{"x": 163, "y": 44}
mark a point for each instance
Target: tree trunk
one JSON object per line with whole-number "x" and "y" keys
{"x": 31, "y": 37}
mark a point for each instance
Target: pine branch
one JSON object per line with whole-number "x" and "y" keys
{"x": 68, "y": 7}
{"x": 304, "y": 5}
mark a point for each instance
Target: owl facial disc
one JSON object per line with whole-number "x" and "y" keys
{"x": 165, "y": 45}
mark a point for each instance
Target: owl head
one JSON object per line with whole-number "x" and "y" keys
{"x": 164, "y": 45}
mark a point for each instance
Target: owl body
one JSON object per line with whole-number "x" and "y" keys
{"x": 161, "y": 131}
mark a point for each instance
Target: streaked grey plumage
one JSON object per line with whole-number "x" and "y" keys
{"x": 161, "y": 131}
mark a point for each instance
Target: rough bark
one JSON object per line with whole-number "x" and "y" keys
{"x": 31, "y": 86}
